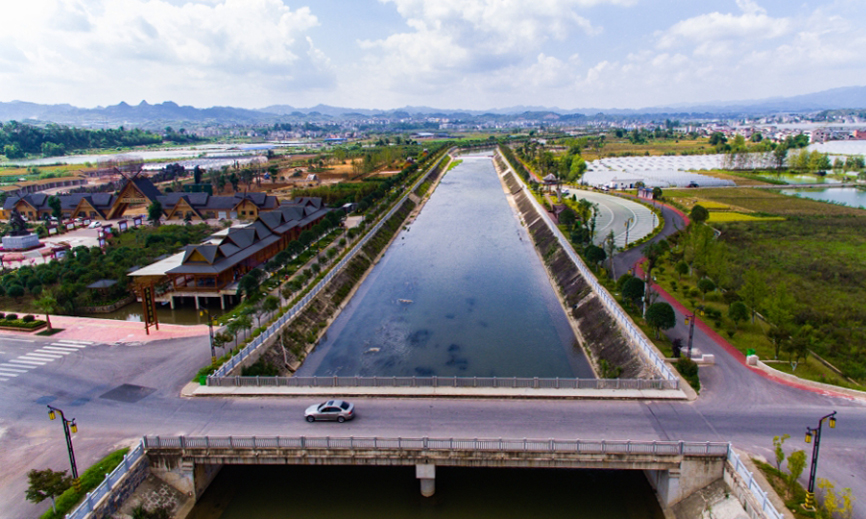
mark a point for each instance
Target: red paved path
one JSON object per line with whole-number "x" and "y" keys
{"x": 111, "y": 330}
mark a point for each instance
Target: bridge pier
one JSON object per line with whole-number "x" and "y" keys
{"x": 677, "y": 483}
{"x": 186, "y": 476}
{"x": 426, "y": 472}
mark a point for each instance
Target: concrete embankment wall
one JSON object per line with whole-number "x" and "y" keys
{"x": 598, "y": 332}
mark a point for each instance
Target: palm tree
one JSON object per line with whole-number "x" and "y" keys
{"x": 47, "y": 304}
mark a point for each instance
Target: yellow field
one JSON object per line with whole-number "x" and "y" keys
{"x": 721, "y": 217}
{"x": 712, "y": 206}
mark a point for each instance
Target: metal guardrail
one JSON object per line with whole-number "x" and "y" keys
{"x": 637, "y": 337}
{"x": 92, "y": 498}
{"x": 762, "y": 497}
{"x": 290, "y": 314}
{"x": 433, "y": 382}
{"x": 664, "y": 448}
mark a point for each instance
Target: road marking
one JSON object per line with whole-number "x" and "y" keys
{"x": 19, "y": 340}
{"x": 16, "y": 361}
{"x": 55, "y": 352}
{"x": 74, "y": 342}
{"x": 14, "y": 370}
{"x": 39, "y": 356}
{"x": 79, "y": 346}
{"x": 4, "y": 380}
{"x": 17, "y": 367}
{"x": 8, "y": 374}
{"x": 52, "y": 352}
{"x": 58, "y": 350}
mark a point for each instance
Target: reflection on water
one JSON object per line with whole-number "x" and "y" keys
{"x": 393, "y": 492}
{"x": 184, "y": 312}
{"x": 461, "y": 292}
{"x": 850, "y": 196}
{"x": 801, "y": 179}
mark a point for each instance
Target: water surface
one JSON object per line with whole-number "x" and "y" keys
{"x": 850, "y": 196}
{"x": 393, "y": 492}
{"x": 461, "y": 292}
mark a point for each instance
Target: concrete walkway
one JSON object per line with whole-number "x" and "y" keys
{"x": 427, "y": 392}
{"x": 109, "y": 331}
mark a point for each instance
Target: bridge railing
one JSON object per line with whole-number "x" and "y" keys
{"x": 433, "y": 382}
{"x": 635, "y": 335}
{"x": 92, "y": 498}
{"x": 290, "y": 314}
{"x": 762, "y": 498}
{"x": 230, "y": 443}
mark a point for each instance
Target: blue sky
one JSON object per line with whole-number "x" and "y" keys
{"x": 469, "y": 54}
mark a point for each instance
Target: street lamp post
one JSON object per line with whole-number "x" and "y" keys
{"x": 690, "y": 320}
{"x": 810, "y": 493}
{"x": 213, "y": 357}
{"x": 69, "y": 428}
{"x": 627, "y": 224}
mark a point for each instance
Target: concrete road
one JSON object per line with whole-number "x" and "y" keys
{"x": 736, "y": 405}
{"x": 628, "y": 259}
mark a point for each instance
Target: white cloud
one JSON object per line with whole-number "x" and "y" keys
{"x": 155, "y": 46}
{"x": 752, "y": 24}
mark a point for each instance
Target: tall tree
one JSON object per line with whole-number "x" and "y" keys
{"x": 47, "y": 304}
{"x": 661, "y": 316}
{"x": 754, "y": 290}
{"x": 56, "y": 207}
{"x": 154, "y": 212}
{"x": 46, "y": 484}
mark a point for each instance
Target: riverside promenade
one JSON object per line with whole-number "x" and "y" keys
{"x": 108, "y": 330}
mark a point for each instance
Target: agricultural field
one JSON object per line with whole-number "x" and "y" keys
{"x": 763, "y": 201}
{"x": 730, "y": 216}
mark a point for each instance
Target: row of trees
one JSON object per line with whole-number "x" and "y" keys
{"x": 567, "y": 167}
{"x": 709, "y": 259}
{"x": 65, "y": 281}
{"x": 19, "y": 139}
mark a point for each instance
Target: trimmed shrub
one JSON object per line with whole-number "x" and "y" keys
{"x": 28, "y": 318}
{"x": 11, "y": 317}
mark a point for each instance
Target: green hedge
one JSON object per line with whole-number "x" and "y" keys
{"x": 21, "y": 323}
{"x": 90, "y": 479}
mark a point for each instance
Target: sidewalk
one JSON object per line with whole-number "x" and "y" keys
{"x": 449, "y": 392}
{"x": 110, "y": 330}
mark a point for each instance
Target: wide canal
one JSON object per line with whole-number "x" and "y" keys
{"x": 460, "y": 292}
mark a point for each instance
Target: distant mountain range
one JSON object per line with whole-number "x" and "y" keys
{"x": 168, "y": 113}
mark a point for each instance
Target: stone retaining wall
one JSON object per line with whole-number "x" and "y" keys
{"x": 120, "y": 492}
{"x": 105, "y": 309}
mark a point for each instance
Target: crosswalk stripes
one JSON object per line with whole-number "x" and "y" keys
{"x": 58, "y": 349}
{"x": 30, "y": 362}
{"x": 13, "y": 367}
{"x": 54, "y": 351}
{"x": 40, "y": 357}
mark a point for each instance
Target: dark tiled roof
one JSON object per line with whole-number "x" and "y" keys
{"x": 242, "y": 237}
{"x": 208, "y": 251}
{"x": 39, "y": 199}
{"x": 102, "y": 200}
{"x": 146, "y": 187}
